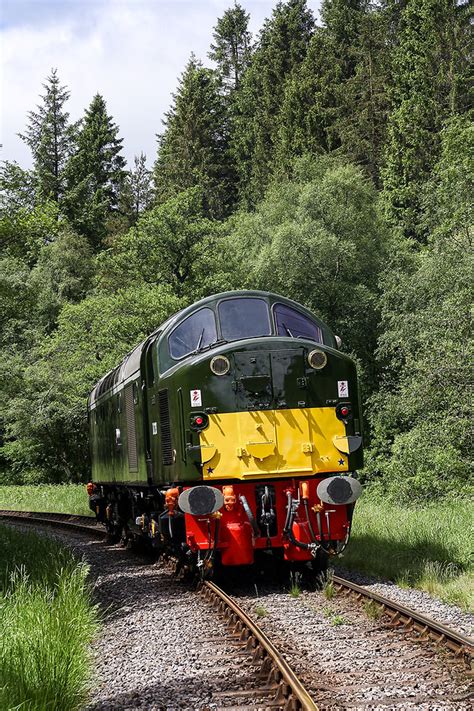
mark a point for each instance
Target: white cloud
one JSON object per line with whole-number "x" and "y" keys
{"x": 131, "y": 52}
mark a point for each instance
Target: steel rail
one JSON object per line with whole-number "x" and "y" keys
{"x": 85, "y": 524}
{"x": 460, "y": 644}
{"x": 289, "y": 692}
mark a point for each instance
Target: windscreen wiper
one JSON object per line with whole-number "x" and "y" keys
{"x": 287, "y": 329}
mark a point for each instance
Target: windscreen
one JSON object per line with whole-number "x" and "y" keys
{"x": 244, "y": 318}
{"x": 290, "y": 322}
{"x": 195, "y": 332}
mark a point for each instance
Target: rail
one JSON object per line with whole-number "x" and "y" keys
{"x": 460, "y": 645}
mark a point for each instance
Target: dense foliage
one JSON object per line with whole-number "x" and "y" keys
{"x": 327, "y": 162}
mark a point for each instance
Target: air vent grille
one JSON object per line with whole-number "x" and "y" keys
{"x": 165, "y": 428}
{"x": 131, "y": 430}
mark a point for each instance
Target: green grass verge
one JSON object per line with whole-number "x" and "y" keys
{"x": 55, "y": 498}
{"x": 427, "y": 547}
{"x": 47, "y": 621}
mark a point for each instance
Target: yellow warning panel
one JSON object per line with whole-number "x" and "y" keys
{"x": 272, "y": 443}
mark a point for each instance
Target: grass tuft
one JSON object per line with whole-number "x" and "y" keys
{"x": 372, "y": 610}
{"x": 48, "y": 622}
{"x": 329, "y": 591}
{"x": 295, "y": 590}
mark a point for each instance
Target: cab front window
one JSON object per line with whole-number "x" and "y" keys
{"x": 244, "y": 318}
{"x": 294, "y": 324}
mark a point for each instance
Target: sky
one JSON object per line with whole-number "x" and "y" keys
{"x": 130, "y": 51}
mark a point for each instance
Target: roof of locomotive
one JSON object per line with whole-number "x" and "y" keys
{"x": 131, "y": 362}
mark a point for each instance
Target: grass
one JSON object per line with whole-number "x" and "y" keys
{"x": 261, "y": 611}
{"x": 373, "y": 610}
{"x": 329, "y": 590}
{"x": 425, "y": 547}
{"x": 53, "y": 498}
{"x": 295, "y": 590}
{"x": 47, "y": 622}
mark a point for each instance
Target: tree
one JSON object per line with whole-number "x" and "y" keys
{"x": 63, "y": 274}
{"x": 421, "y": 415}
{"x": 193, "y": 150}
{"x": 282, "y": 46}
{"x": 428, "y": 66}
{"x": 231, "y": 48}
{"x": 95, "y": 174}
{"x": 50, "y": 137}
{"x": 318, "y": 238}
{"x": 337, "y": 99}
{"x": 137, "y": 193}
{"x": 45, "y": 413}
{"x": 174, "y": 244}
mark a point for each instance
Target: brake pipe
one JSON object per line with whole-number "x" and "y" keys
{"x": 287, "y": 530}
{"x": 250, "y": 515}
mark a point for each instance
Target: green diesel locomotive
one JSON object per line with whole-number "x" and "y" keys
{"x": 231, "y": 433}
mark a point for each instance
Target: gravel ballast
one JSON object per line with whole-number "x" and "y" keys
{"x": 450, "y": 615}
{"x": 347, "y": 660}
{"x": 162, "y": 647}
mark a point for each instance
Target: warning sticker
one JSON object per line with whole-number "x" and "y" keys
{"x": 196, "y": 399}
{"x": 343, "y": 388}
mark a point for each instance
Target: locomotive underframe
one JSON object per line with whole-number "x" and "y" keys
{"x": 236, "y": 535}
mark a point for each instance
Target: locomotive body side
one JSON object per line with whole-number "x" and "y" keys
{"x": 245, "y": 399}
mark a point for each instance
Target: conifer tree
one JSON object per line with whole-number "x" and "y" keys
{"x": 428, "y": 67}
{"x": 231, "y": 48}
{"x": 282, "y": 47}
{"x": 50, "y": 137}
{"x": 137, "y": 194}
{"x": 193, "y": 149}
{"x": 337, "y": 99}
{"x": 95, "y": 174}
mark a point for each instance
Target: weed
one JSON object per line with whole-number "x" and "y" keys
{"x": 338, "y": 620}
{"x": 295, "y": 590}
{"x": 372, "y": 610}
{"x": 261, "y": 611}
{"x": 329, "y": 590}
{"x": 328, "y": 612}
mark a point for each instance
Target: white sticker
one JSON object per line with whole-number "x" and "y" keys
{"x": 343, "y": 388}
{"x": 196, "y": 399}
{"x": 154, "y": 428}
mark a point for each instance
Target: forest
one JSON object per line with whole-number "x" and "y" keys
{"x": 328, "y": 161}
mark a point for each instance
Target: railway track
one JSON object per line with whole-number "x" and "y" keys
{"x": 276, "y": 683}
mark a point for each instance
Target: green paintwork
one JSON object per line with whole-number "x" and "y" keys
{"x": 267, "y": 372}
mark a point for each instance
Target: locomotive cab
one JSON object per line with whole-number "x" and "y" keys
{"x": 242, "y": 399}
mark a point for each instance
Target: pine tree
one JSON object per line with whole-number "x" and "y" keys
{"x": 95, "y": 174}
{"x": 50, "y": 137}
{"x": 137, "y": 194}
{"x": 337, "y": 99}
{"x": 282, "y": 47}
{"x": 193, "y": 149}
{"x": 428, "y": 67}
{"x": 231, "y": 49}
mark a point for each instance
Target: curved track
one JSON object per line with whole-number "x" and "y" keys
{"x": 276, "y": 682}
